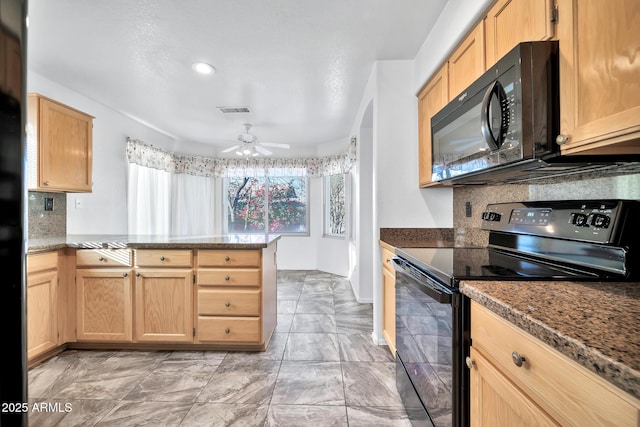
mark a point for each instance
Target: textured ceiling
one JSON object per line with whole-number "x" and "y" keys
{"x": 300, "y": 65}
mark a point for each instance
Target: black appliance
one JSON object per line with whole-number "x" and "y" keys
{"x": 13, "y": 375}
{"x": 555, "y": 240}
{"x": 503, "y": 127}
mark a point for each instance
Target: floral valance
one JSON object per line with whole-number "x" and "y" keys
{"x": 146, "y": 155}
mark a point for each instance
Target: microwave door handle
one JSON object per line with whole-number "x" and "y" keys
{"x": 493, "y": 142}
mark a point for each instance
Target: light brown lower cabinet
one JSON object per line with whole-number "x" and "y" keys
{"x": 388, "y": 300}
{"x": 164, "y": 305}
{"x": 518, "y": 380}
{"x": 42, "y": 303}
{"x": 104, "y": 305}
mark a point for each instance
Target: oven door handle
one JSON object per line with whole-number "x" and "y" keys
{"x": 426, "y": 284}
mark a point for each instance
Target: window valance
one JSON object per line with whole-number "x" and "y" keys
{"x": 146, "y": 155}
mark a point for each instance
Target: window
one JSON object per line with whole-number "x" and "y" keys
{"x": 335, "y": 205}
{"x": 267, "y": 205}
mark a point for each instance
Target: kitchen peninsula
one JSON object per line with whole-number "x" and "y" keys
{"x": 150, "y": 292}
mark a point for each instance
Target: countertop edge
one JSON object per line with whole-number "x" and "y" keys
{"x": 614, "y": 372}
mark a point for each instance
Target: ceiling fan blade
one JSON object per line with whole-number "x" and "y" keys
{"x": 274, "y": 144}
{"x": 227, "y": 150}
{"x": 263, "y": 150}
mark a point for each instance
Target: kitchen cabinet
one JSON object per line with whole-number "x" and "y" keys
{"x": 42, "y": 303}
{"x": 516, "y": 379}
{"x": 104, "y": 295}
{"x": 388, "y": 298}
{"x": 433, "y": 96}
{"x": 599, "y": 69}
{"x": 467, "y": 62}
{"x": 163, "y": 296}
{"x": 510, "y": 22}
{"x": 59, "y": 146}
{"x": 236, "y": 296}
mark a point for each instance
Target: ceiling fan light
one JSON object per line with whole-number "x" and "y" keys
{"x": 239, "y": 153}
{"x": 246, "y": 151}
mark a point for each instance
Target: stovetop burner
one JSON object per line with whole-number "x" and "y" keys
{"x": 557, "y": 240}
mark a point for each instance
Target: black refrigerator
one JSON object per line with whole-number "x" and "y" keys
{"x": 13, "y": 374}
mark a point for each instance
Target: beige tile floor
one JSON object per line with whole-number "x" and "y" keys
{"x": 321, "y": 369}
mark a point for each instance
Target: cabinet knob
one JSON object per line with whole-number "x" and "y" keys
{"x": 46, "y": 183}
{"x": 227, "y": 330}
{"x": 562, "y": 139}
{"x": 227, "y": 258}
{"x": 101, "y": 258}
{"x": 470, "y": 363}
{"x": 227, "y": 304}
{"x": 137, "y": 274}
{"x": 227, "y": 278}
{"x": 517, "y": 359}
{"x": 125, "y": 274}
{"x": 162, "y": 258}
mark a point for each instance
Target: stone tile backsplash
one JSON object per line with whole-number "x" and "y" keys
{"x": 44, "y": 224}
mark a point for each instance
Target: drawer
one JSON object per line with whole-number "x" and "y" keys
{"x": 569, "y": 392}
{"x": 229, "y": 258}
{"x": 42, "y": 262}
{"x": 163, "y": 258}
{"x": 229, "y": 277}
{"x": 103, "y": 258}
{"x": 217, "y": 302}
{"x": 387, "y": 255}
{"x": 229, "y": 329}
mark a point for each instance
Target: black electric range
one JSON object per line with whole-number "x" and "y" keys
{"x": 594, "y": 240}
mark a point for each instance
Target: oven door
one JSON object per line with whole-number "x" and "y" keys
{"x": 429, "y": 345}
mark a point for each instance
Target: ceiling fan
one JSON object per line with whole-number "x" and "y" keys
{"x": 249, "y": 145}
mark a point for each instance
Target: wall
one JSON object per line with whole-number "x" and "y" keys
{"x": 104, "y": 210}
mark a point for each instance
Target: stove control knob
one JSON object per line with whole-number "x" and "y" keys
{"x": 579, "y": 219}
{"x": 600, "y": 221}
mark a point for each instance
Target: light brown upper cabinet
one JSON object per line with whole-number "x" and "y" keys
{"x": 59, "y": 146}
{"x": 467, "y": 63}
{"x": 433, "y": 96}
{"x": 599, "y": 76}
{"x": 510, "y": 22}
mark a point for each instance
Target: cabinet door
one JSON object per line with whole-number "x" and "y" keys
{"x": 103, "y": 305}
{"x": 599, "y": 74}
{"x": 64, "y": 146}
{"x": 389, "y": 309}
{"x": 496, "y": 402}
{"x": 431, "y": 99}
{"x": 42, "y": 314}
{"x": 164, "y": 305}
{"x": 467, "y": 63}
{"x": 510, "y": 22}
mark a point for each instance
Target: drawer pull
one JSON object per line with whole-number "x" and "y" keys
{"x": 227, "y": 278}
{"x": 101, "y": 259}
{"x": 517, "y": 359}
{"x": 227, "y": 258}
{"x": 125, "y": 274}
{"x": 137, "y": 274}
{"x": 227, "y": 330}
{"x": 162, "y": 258}
{"x": 470, "y": 363}
{"x": 227, "y": 304}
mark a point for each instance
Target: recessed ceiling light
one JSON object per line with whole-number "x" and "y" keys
{"x": 203, "y": 68}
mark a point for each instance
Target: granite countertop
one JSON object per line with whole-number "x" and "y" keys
{"x": 90, "y": 241}
{"x": 597, "y": 324}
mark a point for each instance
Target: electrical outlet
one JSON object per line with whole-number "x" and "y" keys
{"x": 467, "y": 209}
{"x": 48, "y": 203}
{"x": 78, "y": 203}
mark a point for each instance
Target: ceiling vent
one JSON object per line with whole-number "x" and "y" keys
{"x": 234, "y": 110}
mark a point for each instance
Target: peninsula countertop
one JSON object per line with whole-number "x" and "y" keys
{"x": 105, "y": 241}
{"x": 597, "y": 324}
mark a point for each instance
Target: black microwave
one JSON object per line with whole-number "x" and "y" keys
{"x": 504, "y": 123}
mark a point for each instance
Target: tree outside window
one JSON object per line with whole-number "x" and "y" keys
{"x": 335, "y": 205}
{"x": 279, "y": 202}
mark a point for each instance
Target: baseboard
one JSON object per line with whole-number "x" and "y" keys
{"x": 378, "y": 340}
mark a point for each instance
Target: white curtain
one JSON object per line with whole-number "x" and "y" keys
{"x": 162, "y": 203}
